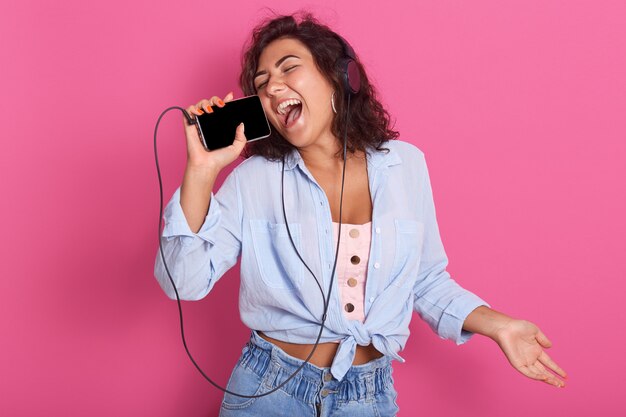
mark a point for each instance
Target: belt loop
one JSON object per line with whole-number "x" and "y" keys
{"x": 370, "y": 389}
{"x": 271, "y": 373}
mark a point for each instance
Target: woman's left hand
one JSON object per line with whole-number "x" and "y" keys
{"x": 523, "y": 344}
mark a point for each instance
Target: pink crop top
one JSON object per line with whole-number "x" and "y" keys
{"x": 354, "y": 250}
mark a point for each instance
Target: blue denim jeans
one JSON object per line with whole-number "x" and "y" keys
{"x": 366, "y": 390}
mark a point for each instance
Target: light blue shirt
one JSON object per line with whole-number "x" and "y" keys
{"x": 279, "y": 296}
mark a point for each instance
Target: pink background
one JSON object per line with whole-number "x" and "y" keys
{"x": 518, "y": 105}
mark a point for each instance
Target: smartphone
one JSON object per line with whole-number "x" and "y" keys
{"x": 217, "y": 129}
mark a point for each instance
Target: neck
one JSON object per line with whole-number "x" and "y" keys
{"x": 323, "y": 154}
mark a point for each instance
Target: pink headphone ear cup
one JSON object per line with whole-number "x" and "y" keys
{"x": 353, "y": 77}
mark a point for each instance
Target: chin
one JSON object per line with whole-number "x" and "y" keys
{"x": 296, "y": 143}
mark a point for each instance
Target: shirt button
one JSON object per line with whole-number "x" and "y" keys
{"x": 354, "y": 233}
{"x": 328, "y": 377}
{"x": 376, "y": 265}
{"x": 349, "y": 307}
{"x": 371, "y": 299}
{"x": 378, "y": 230}
{"x": 355, "y": 260}
{"x": 352, "y": 282}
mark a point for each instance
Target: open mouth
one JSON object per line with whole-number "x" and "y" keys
{"x": 290, "y": 111}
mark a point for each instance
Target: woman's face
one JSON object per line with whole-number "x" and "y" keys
{"x": 294, "y": 93}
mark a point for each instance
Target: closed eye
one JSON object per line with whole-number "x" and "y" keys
{"x": 264, "y": 83}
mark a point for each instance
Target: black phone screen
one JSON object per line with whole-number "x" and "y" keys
{"x": 217, "y": 129}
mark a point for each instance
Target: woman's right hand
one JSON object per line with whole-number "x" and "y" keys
{"x": 204, "y": 166}
{"x": 199, "y": 158}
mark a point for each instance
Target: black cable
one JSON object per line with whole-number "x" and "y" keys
{"x": 192, "y": 121}
{"x": 332, "y": 275}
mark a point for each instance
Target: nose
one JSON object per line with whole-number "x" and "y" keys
{"x": 274, "y": 86}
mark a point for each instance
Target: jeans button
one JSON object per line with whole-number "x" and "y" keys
{"x": 328, "y": 377}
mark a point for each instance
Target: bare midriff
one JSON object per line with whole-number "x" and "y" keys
{"x": 325, "y": 352}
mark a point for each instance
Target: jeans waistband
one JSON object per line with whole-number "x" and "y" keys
{"x": 361, "y": 382}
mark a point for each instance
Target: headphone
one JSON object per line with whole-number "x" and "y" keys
{"x": 349, "y": 72}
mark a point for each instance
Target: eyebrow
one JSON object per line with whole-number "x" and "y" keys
{"x": 277, "y": 64}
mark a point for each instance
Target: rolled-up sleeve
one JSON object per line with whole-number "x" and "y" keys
{"x": 196, "y": 261}
{"x": 439, "y": 300}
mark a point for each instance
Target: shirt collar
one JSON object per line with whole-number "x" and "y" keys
{"x": 292, "y": 159}
{"x": 375, "y": 158}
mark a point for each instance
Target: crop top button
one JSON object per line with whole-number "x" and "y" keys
{"x": 355, "y": 260}
{"x": 354, "y": 233}
{"x": 349, "y": 307}
{"x": 352, "y": 282}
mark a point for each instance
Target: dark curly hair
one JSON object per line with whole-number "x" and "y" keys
{"x": 368, "y": 124}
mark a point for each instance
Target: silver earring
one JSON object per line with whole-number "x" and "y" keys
{"x": 332, "y": 103}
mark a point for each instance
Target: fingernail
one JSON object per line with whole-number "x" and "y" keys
{"x": 200, "y": 111}
{"x": 243, "y": 127}
{"x": 220, "y": 102}
{"x": 209, "y": 109}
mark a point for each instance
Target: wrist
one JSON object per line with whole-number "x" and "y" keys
{"x": 201, "y": 173}
{"x": 486, "y": 321}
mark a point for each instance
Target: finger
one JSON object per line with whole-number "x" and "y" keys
{"x": 542, "y": 374}
{"x": 205, "y": 106}
{"x": 216, "y": 101}
{"x": 547, "y": 361}
{"x": 240, "y": 138}
{"x": 229, "y": 97}
{"x": 193, "y": 110}
{"x": 543, "y": 339}
{"x": 191, "y": 114}
{"x": 193, "y": 142}
{"x": 534, "y": 371}
{"x": 213, "y": 101}
{"x": 553, "y": 380}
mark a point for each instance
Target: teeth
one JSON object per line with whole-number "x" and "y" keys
{"x": 282, "y": 106}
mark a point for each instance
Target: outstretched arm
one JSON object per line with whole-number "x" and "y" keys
{"x": 521, "y": 341}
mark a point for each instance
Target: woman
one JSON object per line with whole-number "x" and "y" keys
{"x": 281, "y": 212}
